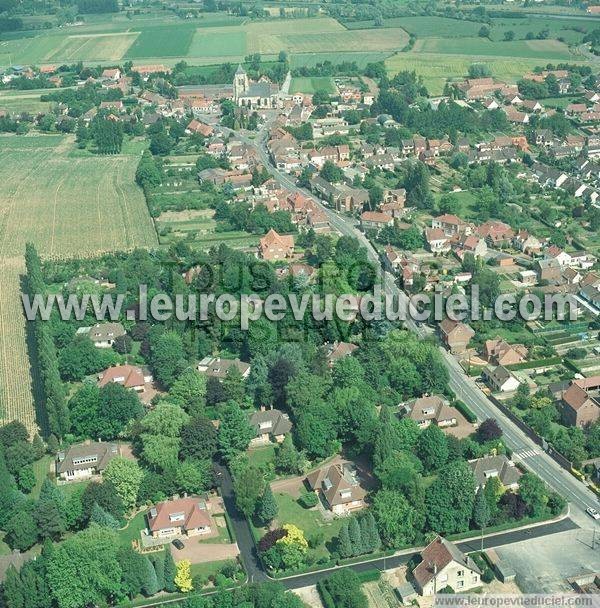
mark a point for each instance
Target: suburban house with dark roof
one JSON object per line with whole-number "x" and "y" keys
{"x": 85, "y": 460}
{"x": 180, "y": 517}
{"x": 581, "y": 402}
{"x": 215, "y": 367}
{"x": 270, "y": 425}
{"x": 339, "y": 487}
{"x": 444, "y": 565}
{"x": 433, "y": 409}
{"x": 496, "y": 466}
{"x": 274, "y": 246}
{"x": 499, "y": 379}
{"x": 455, "y": 335}
{"x": 103, "y": 335}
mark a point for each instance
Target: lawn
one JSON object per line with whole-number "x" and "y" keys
{"x": 41, "y": 468}
{"x": 132, "y": 530}
{"x": 310, "y": 85}
{"x": 4, "y": 548}
{"x": 263, "y": 456}
{"x": 224, "y": 536}
{"x": 208, "y": 569}
{"x": 483, "y": 47}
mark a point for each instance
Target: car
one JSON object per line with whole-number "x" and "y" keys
{"x": 177, "y": 544}
{"x": 592, "y": 512}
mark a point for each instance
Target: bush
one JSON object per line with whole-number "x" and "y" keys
{"x": 463, "y": 408}
{"x": 308, "y": 500}
{"x": 576, "y": 353}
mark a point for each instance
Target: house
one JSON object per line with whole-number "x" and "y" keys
{"x": 496, "y": 466}
{"x": 195, "y": 126}
{"x": 84, "y": 460}
{"x": 527, "y": 243}
{"x": 499, "y": 352}
{"x": 450, "y": 224}
{"x": 215, "y": 367}
{"x": 129, "y": 376}
{"x": 375, "y": 220}
{"x": 496, "y": 233}
{"x": 499, "y": 379}
{"x": 111, "y": 74}
{"x": 274, "y": 246}
{"x": 547, "y": 270}
{"x": 433, "y": 409}
{"x": 270, "y": 425}
{"x": 455, "y": 335}
{"x": 338, "y": 350}
{"x": 437, "y": 240}
{"x": 581, "y": 402}
{"x": 103, "y": 335}
{"x": 338, "y": 485}
{"x": 180, "y": 517}
{"x": 444, "y": 565}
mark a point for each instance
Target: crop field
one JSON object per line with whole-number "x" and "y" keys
{"x": 436, "y": 68}
{"x": 162, "y": 41}
{"x": 93, "y": 47}
{"x": 311, "y": 59}
{"x": 68, "y": 207}
{"x": 310, "y": 85}
{"x": 536, "y": 49}
{"x": 218, "y": 43}
{"x": 423, "y": 27}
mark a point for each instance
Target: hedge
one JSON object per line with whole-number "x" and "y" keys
{"x": 464, "y": 409}
{"x": 369, "y": 576}
{"x": 325, "y": 596}
{"x": 366, "y": 557}
{"x": 230, "y": 527}
{"x": 536, "y": 363}
{"x": 570, "y": 364}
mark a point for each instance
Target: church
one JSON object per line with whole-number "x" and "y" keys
{"x": 254, "y": 95}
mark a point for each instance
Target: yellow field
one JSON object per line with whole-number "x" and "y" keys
{"x": 69, "y": 206}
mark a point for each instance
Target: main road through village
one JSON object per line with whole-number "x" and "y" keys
{"x": 524, "y": 449}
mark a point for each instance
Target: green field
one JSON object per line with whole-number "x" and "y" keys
{"x": 207, "y": 43}
{"x": 310, "y": 85}
{"x": 162, "y": 41}
{"x": 423, "y": 27}
{"x": 68, "y": 207}
{"x": 534, "y": 49}
{"x": 312, "y": 59}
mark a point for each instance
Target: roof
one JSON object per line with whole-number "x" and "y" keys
{"x": 495, "y": 466}
{"x": 218, "y": 368}
{"x": 129, "y": 376}
{"x": 376, "y": 217}
{"x": 102, "y": 332}
{"x": 337, "y": 484}
{"x": 79, "y": 456}
{"x": 448, "y": 326}
{"x": 240, "y": 69}
{"x": 192, "y": 508}
{"x": 499, "y": 374}
{"x": 273, "y": 421}
{"x": 431, "y": 407}
{"x": 436, "y": 556}
{"x": 337, "y": 350}
{"x": 274, "y": 239}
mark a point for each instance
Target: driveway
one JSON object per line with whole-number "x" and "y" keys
{"x": 198, "y": 553}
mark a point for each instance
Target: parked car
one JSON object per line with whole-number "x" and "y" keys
{"x": 177, "y": 544}
{"x": 592, "y": 512}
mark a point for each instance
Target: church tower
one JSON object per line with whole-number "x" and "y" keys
{"x": 240, "y": 83}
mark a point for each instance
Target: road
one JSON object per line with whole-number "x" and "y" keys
{"x": 525, "y": 449}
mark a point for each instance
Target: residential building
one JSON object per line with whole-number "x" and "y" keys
{"x": 129, "y": 376}
{"x": 499, "y": 352}
{"x": 499, "y": 379}
{"x": 338, "y": 350}
{"x": 85, "y": 460}
{"x": 103, "y": 335}
{"x": 444, "y": 565}
{"x": 274, "y": 246}
{"x": 496, "y": 466}
{"x": 434, "y": 409}
{"x": 581, "y": 402}
{"x": 179, "y": 517}
{"x": 271, "y": 425}
{"x": 215, "y": 367}
{"x": 375, "y": 220}
{"x": 455, "y": 335}
{"x": 339, "y": 487}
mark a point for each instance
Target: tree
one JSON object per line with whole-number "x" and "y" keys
{"x": 449, "y": 500}
{"x": 49, "y": 518}
{"x": 169, "y": 572}
{"x": 198, "y": 438}
{"x": 132, "y": 569}
{"x": 189, "y": 391}
{"x": 330, "y": 172}
{"x": 21, "y": 530}
{"x": 247, "y": 486}
{"x": 12, "y": 433}
{"x": 344, "y": 545}
{"x": 267, "y": 508}
{"x": 489, "y": 430}
{"x": 343, "y": 588}
{"x": 432, "y": 448}
{"x": 126, "y": 476}
{"x": 84, "y": 569}
{"x": 13, "y": 590}
{"x": 533, "y": 492}
{"x": 103, "y": 518}
{"x": 194, "y": 476}
{"x": 481, "y": 512}
{"x": 150, "y": 585}
{"x": 183, "y": 577}
{"x": 370, "y": 535}
{"x": 167, "y": 357}
{"x": 355, "y": 536}
{"x": 105, "y": 495}
{"x": 397, "y": 520}
{"x": 235, "y": 432}
{"x": 509, "y": 35}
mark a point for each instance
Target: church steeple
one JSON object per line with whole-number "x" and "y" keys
{"x": 240, "y": 83}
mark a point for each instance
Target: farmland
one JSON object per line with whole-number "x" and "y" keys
{"x": 310, "y": 85}
{"x": 68, "y": 205}
{"x": 162, "y": 41}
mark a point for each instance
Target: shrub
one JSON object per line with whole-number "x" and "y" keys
{"x": 308, "y": 500}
